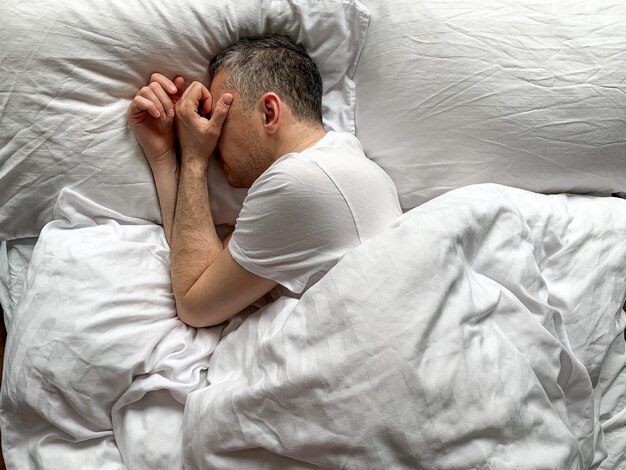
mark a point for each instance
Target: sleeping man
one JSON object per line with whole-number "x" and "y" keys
{"x": 313, "y": 195}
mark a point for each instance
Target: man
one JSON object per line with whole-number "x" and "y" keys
{"x": 312, "y": 195}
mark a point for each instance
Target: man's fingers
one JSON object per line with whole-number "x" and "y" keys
{"x": 140, "y": 103}
{"x": 163, "y": 97}
{"x": 165, "y": 82}
{"x": 207, "y": 105}
{"x": 193, "y": 95}
{"x": 179, "y": 81}
{"x": 148, "y": 93}
{"x": 220, "y": 112}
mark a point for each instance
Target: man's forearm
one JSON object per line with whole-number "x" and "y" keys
{"x": 165, "y": 173}
{"x": 195, "y": 243}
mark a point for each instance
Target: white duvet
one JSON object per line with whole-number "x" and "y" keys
{"x": 469, "y": 335}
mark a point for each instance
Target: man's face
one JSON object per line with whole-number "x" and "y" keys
{"x": 240, "y": 149}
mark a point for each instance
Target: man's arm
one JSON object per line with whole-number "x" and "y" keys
{"x": 165, "y": 174}
{"x": 151, "y": 117}
{"x": 209, "y": 285}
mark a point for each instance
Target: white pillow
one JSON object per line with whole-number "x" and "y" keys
{"x": 70, "y": 70}
{"x": 528, "y": 94}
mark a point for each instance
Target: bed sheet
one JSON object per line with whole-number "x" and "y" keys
{"x": 14, "y": 259}
{"x": 612, "y": 389}
{"x": 491, "y": 283}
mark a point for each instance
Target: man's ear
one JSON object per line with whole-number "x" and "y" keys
{"x": 272, "y": 110}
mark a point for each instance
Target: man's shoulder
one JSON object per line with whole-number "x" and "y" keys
{"x": 340, "y": 142}
{"x": 294, "y": 172}
{"x": 336, "y": 149}
{"x": 339, "y": 156}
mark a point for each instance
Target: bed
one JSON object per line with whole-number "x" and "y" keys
{"x": 483, "y": 329}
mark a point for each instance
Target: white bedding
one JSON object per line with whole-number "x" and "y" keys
{"x": 519, "y": 92}
{"x": 475, "y": 333}
{"x": 470, "y": 334}
{"x": 14, "y": 260}
{"x": 612, "y": 389}
{"x": 525, "y": 93}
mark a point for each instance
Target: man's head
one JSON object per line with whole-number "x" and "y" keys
{"x": 272, "y": 63}
{"x": 277, "y": 104}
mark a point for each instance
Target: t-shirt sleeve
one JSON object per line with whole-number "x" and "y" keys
{"x": 292, "y": 229}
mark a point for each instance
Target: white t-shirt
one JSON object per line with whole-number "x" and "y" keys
{"x": 308, "y": 209}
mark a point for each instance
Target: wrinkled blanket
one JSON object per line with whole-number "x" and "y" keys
{"x": 469, "y": 335}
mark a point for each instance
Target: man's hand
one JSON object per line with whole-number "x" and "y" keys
{"x": 198, "y": 135}
{"x": 151, "y": 116}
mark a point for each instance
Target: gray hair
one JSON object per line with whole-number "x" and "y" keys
{"x": 258, "y": 65}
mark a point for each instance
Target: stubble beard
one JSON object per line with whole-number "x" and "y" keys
{"x": 258, "y": 159}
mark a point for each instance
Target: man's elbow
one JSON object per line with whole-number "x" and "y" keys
{"x": 195, "y": 317}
